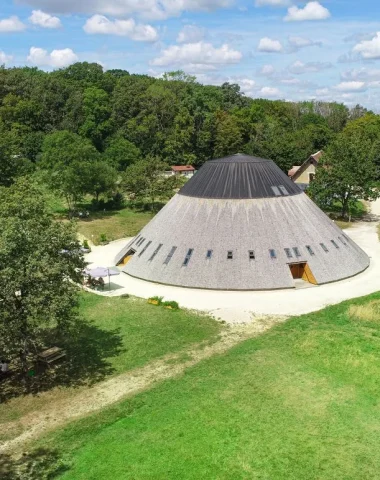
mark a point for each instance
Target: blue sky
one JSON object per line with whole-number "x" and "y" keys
{"x": 295, "y": 50}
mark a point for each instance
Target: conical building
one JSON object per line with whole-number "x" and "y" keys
{"x": 241, "y": 224}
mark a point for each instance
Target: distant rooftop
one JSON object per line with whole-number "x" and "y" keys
{"x": 183, "y": 168}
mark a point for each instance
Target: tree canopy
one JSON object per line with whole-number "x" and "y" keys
{"x": 84, "y": 127}
{"x": 40, "y": 261}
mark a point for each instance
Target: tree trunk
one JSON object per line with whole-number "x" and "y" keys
{"x": 344, "y": 206}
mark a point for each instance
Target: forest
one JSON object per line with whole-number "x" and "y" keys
{"x": 86, "y": 131}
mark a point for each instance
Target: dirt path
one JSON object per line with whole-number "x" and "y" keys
{"x": 128, "y": 384}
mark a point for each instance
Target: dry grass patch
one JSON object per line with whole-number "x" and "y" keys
{"x": 114, "y": 225}
{"x": 369, "y": 312}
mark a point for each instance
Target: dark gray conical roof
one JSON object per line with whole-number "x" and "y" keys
{"x": 239, "y": 177}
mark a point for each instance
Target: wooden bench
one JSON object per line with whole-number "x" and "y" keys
{"x": 51, "y": 355}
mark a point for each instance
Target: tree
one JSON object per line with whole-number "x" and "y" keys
{"x": 13, "y": 163}
{"x": 101, "y": 179}
{"x": 67, "y": 159}
{"x": 346, "y": 174}
{"x": 228, "y": 139}
{"x": 120, "y": 153}
{"x": 96, "y": 111}
{"x": 144, "y": 180}
{"x": 40, "y": 263}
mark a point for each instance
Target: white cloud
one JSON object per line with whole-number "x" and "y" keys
{"x": 99, "y": 24}
{"x": 301, "y": 42}
{"x": 57, "y": 58}
{"x": 200, "y": 53}
{"x": 267, "y": 70}
{"x": 11, "y": 24}
{"x": 322, "y": 92}
{"x": 247, "y": 86}
{"x": 44, "y": 20}
{"x": 190, "y": 34}
{"x": 4, "y": 58}
{"x": 269, "y": 45}
{"x": 299, "y": 68}
{"x": 369, "y": 48}
{"x": 351, "y": 86}
{"x": 272, "y": 3}
{"x": 290, "y": 81}
{"x": 270, "y": 92}
{"x": 311, "y": 11}
{"x": 194, "y": 68}
{"x": 152, "y": 9}
{"x": 362, "y": 74}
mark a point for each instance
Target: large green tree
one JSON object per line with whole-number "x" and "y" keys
{"x": 347, "y": 173}
{"x": 120, "y": 153}
{"x": 67, "y": 158}
{"x": 40, "y": 262}
{"x": 145, "y": 181}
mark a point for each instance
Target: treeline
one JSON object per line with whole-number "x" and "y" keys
{"x": 83, "y": 127}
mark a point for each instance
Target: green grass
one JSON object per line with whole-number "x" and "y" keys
{"x": 115, "y": 224}
{"x": 126, "y": 222}
{"x": 299, "y": 402}
{"x": 121, "y": 334}
{"x": 147, "y": 331}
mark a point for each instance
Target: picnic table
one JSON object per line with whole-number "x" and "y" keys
{"x": 51, "y": 355}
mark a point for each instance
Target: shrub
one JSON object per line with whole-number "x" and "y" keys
{"x": 171, "y": 305}
{"x": 155, "y": 300}
{"x": 86, "y": 245}
{"x": 103, "y": 238}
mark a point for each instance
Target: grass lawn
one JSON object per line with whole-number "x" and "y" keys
{"x": 358, "y": 210}
{"x": 121, "y": 334}
{"x": 302, "y": 401}
{"x": 114, "y": 224}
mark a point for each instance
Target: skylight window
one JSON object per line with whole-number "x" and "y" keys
{"x": 155, "y": 252}
{"x": 188, "y": 256}
{"x": 276, "y": 191}
{"x": 170, "y": 254}
{"x": 209, "y": 254}
{"x": 296, "y": 251}
{"x": 341, "y": 239}
{"x": 288, "y": 252}
{"x": 143, "y": 250}
{"x": 230, "y": 255}
{"x": 283, "y": 190}
{"x": 272, "y": 253}
{"x": 251, "y": 254}
{"x": 334, "y": 243}
{"x": 310, "y": 250}
{"x": 324, "y": 247}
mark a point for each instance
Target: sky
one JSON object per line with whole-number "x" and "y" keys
{"x": 278, "y": 49}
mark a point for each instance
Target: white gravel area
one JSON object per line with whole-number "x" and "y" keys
{"x": 241, "y": 307}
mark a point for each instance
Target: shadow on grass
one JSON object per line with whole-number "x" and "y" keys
{"x": 88, "y": 349}
{"x": 41, "y": 464}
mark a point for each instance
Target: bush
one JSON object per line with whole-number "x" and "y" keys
{"x": 86, "y": 245}
{"x": 103, "y": 238}
{"x": 117, "y": 201}
{"x": 172, "y": 305}
{"x": 155, "y": 300}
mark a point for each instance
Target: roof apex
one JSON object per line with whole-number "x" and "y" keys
{"x": 239, "y": 158}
